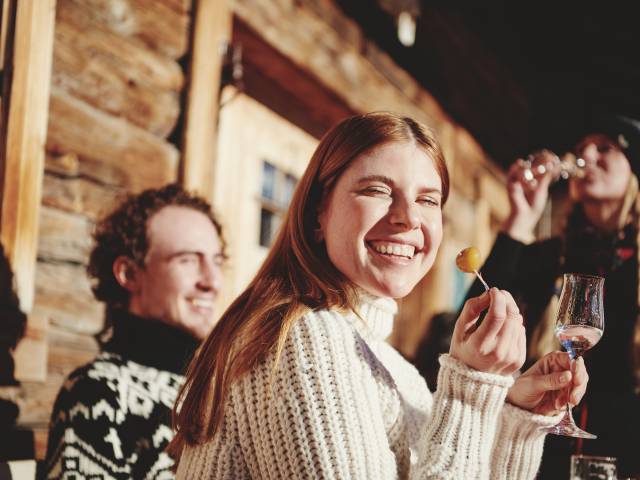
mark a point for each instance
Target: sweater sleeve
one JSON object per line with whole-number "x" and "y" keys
{"x": 463, "y": 422}
{"x": 518, "y": 445}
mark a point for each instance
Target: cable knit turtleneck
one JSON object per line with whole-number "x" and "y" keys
{"x": 344, "y": 404}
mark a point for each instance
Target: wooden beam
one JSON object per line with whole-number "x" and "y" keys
{"x": 211, "y": 32}
{"x": 25, "y": 135}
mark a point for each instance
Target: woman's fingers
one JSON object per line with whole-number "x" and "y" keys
{"x": 500, "y": 339}
{"x": 559, "y": 363}
{"x": 495, "y": 317}
{"x": 580, "y": 380}
{"x": 470, "y": 314}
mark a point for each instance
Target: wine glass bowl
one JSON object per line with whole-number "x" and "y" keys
{"x": 579, "y": 326}
{"x": 538, "y": 163}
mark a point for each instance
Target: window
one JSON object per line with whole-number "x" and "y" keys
{"x": 277, "y": 190}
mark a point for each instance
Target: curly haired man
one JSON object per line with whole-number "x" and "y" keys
{"x": 156, "y": 264}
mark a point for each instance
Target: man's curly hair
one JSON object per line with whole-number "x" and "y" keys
{"x": 124, "y": 233}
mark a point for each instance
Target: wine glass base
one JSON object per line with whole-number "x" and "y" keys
{"x": 569, "y": 429}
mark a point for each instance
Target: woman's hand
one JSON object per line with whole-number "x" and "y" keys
{"x": 528, "y": 195}
{"x": 498, "y": 345}
{"x": 549, "y": 385}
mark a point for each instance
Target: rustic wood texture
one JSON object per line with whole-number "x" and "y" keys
{"x": 161, "y": 25}
{"x": 63, "y": 294}
{"x": 25, "y": 135}
{"x": 300, "y": 98}
{"x": 30, "y": 355}
{"x": 64, "y": 236}
{"x": 79, "y": 195}
{"x": 333, "y": 50}
{"x": 212, "y": 31}
{"x": 143, "y": 89}
{"x": 124, "y": 54}
{"x": 111, "y": 150}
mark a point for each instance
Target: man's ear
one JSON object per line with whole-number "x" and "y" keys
{"x": 127, "y": 273}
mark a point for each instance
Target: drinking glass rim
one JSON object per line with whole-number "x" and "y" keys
{"x": 584, "y": 275}
{"x": 594, "y": 457}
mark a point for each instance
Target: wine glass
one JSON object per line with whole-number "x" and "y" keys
{"x": 579, "y": 326}
{"x": 540, "y": 162}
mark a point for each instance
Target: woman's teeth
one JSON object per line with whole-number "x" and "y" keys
{"x": 396, "y": 249}
{"x": 201, "y": 303}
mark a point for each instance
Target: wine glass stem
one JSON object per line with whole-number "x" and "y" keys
{"x": 568, "y": 406}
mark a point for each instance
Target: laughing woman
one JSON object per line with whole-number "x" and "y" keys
{"x": 297, "y": 381}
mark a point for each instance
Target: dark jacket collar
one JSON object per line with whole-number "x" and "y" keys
{"x": 150, "y": 342}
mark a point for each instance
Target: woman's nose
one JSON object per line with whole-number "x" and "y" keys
{"x": 404, "y": 213}
{"x": 590, "y": 154}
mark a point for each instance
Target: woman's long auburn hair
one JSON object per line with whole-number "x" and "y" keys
{"x": 297, "y": 276}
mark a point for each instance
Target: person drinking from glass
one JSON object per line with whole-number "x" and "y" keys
{"x": 600, "y": 237}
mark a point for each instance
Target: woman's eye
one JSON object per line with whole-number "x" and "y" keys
{"x": 377, "y": 191}
{"x": 433, "y": 201}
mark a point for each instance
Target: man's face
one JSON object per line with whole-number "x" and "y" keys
{"x": 182, "y": 275}
{"x": 607, "y": 170}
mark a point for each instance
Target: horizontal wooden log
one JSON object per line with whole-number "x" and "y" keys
{"x": 35, "y": 400}
{"x": 63, "y": 340}
{"x": 63, "y": 294}
{"x": 130, "y": 58}
{"x": 67, "y": 351}
{"x": 67, "y": 164}
{"x": 79, "y": 195}
{"x": 81, "y": 72}
{"x": 162, "y": 25}
{"x": 86, "y": 64}
{"x": 111, "y": 150}
{"x": 64, "y": 236}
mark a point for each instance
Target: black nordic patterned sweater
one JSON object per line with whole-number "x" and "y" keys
{"x": 112, "y": 417}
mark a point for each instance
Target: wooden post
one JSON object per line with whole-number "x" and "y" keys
{"x": 211, "y": 32}
{"x": 24, "y": 140}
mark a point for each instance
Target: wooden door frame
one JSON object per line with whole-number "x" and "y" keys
{"x": 26, "y": 81}
{"x": 211, "y": 34}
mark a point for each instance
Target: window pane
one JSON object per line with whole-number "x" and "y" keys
{"x": 287, "y": 192}
{"x": 268, "y": 180}
{"x": 265, "y": 227}
{"x": 276, "y": 222}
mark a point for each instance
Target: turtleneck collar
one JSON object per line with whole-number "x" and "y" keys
{"x": 150, "y": 342}
{"x": 378, "y": 314}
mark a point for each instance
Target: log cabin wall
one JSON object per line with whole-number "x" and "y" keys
{"x": 115, "y": 99}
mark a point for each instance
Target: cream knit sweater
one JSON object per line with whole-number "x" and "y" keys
{"x": 344, "y": 404}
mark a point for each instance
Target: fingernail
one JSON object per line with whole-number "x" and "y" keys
{"x": 565, "y": 377}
